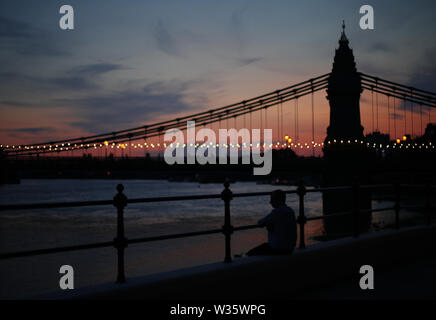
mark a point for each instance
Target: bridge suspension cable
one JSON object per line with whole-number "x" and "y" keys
{"x": 296, "y": 120}
{"x": 376, "y": 103}
{"x": 411, "y": 116}
{"x": 282, "y": 131}
{"x": 389, "y": 116}
{"x": 399, "y": 91}
{"x": 421, "y": 131}
{"x": 279, "y": 131}
{"x": 405, "y": 93}
{"x": 372, "y": 103}
{"x": 313, "y": 123}
{"x": 395, "y": 118}
{"x": 259, "y": 103}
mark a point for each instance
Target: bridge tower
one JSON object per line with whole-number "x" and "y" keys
{"x": 343, "y": 93}
{"x": 346, "y": 163}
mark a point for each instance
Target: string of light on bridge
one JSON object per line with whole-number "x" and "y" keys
{"x": 286, "y": 144}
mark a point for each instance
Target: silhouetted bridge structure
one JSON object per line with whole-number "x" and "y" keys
{"x": 374, "y": 84}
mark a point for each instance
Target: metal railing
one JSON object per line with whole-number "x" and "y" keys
{"x": 120, "y": 201}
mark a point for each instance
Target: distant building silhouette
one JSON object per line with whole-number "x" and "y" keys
{"x": 377, "y": 138}
{"x": 430, "y": 133}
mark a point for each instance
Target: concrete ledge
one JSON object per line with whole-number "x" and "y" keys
{"x": 278, "y": 277}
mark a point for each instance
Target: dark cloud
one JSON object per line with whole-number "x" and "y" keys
{"x": 381, "y": 46}
{"x": 96, "y": 69}
{"x": 364, "y": 99}
{"x": 410, "y": 107}
{"x": 424, "y": 76}
{"x": 396, "y": 116}
{"x": 12, "y": 76}
{"x": 127, "y": 108}
{"x": 105, "y": 113}
{"x": 29, "y": 130}
{"x": 22, "y": 38}
{"x": 17, "y": 103}
{"x": 77, "y": 79}
{"x": 165, "y": 40}
{"x": 173, "y": 86}
{"x": 43, "y": 133}
{"x": 10, "y": 29}
{"x": 38, "y": 48}
{"x": 424, "y": 79}
{"x": 247, "y": 61}
{"x": 236, "y": 27}
{"x": 45, "y": 83}
{"x": 71, "y": 83}
{"x": 239, "y": 36}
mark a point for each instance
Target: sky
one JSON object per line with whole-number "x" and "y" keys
{"x": 129, "y": 63}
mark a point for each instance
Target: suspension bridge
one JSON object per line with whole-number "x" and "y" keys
{"x": 400, "y": 99}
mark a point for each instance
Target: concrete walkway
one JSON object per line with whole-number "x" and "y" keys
{"x": 403, "y": 261}
{"x": 416, "y": 280}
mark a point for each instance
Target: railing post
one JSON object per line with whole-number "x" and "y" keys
{"x": 428, "y": 202}
{"x": 227, "y": 196}
{"x": 397, "y": 205}
{"x": 301, "y": 220}
{"x": 356, "y": 208}
{"x": 120, "y": 242}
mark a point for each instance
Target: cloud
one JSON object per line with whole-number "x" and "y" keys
{"x": 247, "y": 61}
{"x": 10, "y": 29}
{"x": 236, "y": 25}
{"x": 165, "y": 40}
{"x": 71, "y": 83}
{"x": 17, "y": 79}
{"x": 43, "y": 133}
{"x": 29, "y": 130}
{"x": 95, "y": 69}
{"x": 79, "y": 78}
{"x": 19, "y": 103}
{"x": 396, "y": 116}
{"x": 424, "y": 79}
{"x": 364, "y": 99}
{"x": 239, "y": 36}
{"x": 22, "y": 38}
{"x": 127, "y": 108}
{"x": 424, "y": 74}
{"x": 382, "y": 47}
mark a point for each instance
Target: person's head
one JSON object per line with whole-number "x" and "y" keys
{"x": 278, "y": 198}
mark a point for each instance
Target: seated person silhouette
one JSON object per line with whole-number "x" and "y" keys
{"x": 281, "y": 226}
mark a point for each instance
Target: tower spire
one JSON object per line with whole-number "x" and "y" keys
{"x": 343, "y": 36}
{"x": 343, "y": 93}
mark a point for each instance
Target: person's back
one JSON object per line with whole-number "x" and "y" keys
{"x": 281, "y": 225}
{"x": 282, "y": 228}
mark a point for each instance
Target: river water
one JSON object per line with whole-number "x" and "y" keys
{"x": 46, "y": 228}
